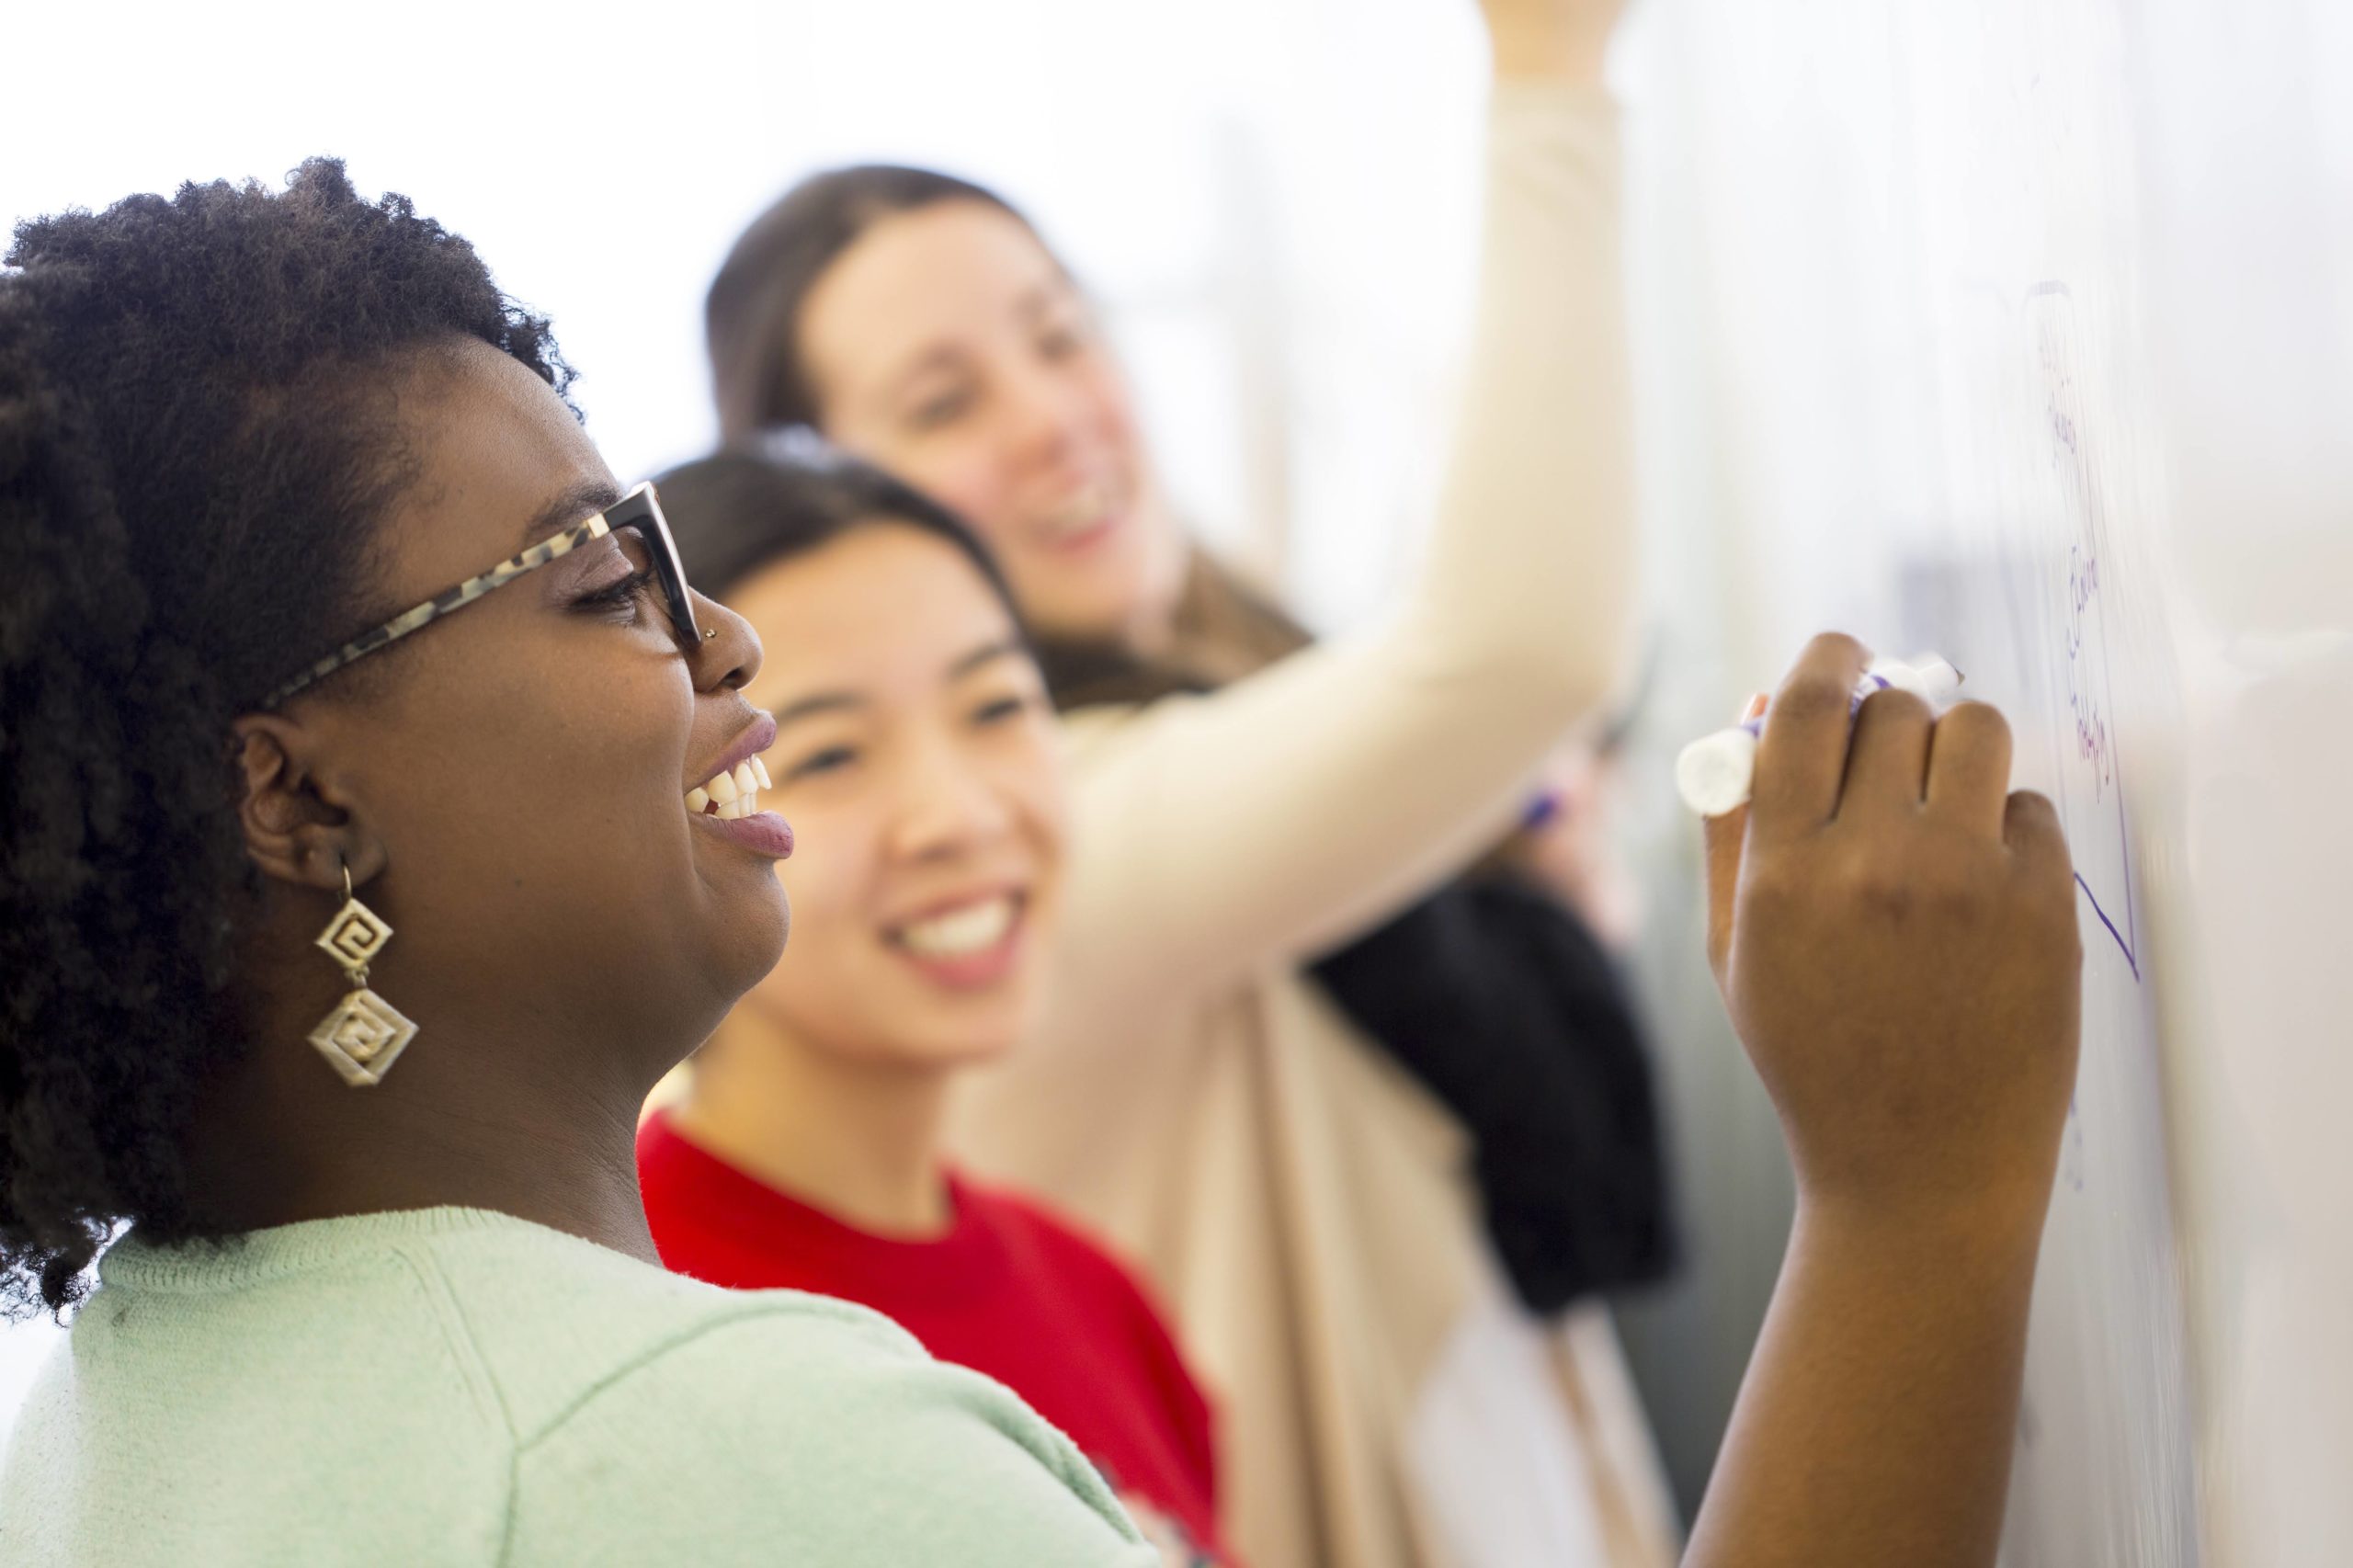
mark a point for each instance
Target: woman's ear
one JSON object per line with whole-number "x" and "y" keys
{"x": 293, "y": 831}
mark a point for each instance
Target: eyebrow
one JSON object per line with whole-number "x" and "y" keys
{"x": 1033, "y": 302}
{"x": 1053, "y": 292}
{"x": 577, "y": 503}
{"x": 985, "y": 654}
{"x": 837, "y": 701}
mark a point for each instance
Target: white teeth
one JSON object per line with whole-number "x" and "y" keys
{"x": 1080, "y": 512}
{"x": 730, "y": 795}
{"x": 761, "y": 770}
{"x": 972, "y": 929}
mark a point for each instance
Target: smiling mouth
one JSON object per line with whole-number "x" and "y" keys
{"x": 1084, "y": 517}
{"x": 960, "y": 933}
{"x": 728, "y": 796}
{"x": 972, "y": 946}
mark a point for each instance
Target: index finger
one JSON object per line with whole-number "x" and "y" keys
{"x": 1802, "y": 754}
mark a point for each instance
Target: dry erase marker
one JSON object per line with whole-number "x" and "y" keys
{"x": 1715, "y": 772}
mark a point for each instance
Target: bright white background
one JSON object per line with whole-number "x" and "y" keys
{"x": 1272, "y": 196}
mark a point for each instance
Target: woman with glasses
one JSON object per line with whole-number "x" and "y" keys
{"x": 343, "y": 1002}
{"x": 356, "y": 895}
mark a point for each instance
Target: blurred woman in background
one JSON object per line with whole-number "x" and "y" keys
{"x": 1270, "y": 1065}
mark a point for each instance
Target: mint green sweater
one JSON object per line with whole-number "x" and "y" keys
{"x": 450, "y": 1386}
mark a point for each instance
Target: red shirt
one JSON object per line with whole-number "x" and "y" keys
{"x": 1008, "y": 1291}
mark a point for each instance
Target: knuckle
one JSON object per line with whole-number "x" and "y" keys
{"x": 1892, "y": 706}
{"x": 1975, "y": 724}
{"x": 1959, "y": 893}
{"x": 1807, "y": 699}
{"x": 1826, "y": 670}
{"x": 2032, "y": 820}
{"x": 1948, "y": 881}
{"x": 2034, "y": 803}
{"x": 1879, "y": 885}
{"x": 2046, "y": 919}
{"x": 1833, "y": 646}
{"x": 1769, "y": 890}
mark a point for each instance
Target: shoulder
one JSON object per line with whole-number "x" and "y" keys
{"x": 789, "y": 1431}
{"x": 656, "y": 1417}
{"x": 553, "y": 1319}
{"x": 1047, "y": 1238}
{"x": 1055, "y": 1247}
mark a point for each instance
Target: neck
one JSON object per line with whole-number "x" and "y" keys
{"x": 860, "y": 1139}
{"x": 480, "y": 1117}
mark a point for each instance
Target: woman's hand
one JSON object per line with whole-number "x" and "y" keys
{"x": 1894, "y": 932}
{"x": 1550, "y": 39}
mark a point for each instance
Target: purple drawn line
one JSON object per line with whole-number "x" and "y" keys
{"x": 2122, "y": 946}
{"x": 2095, "y": 517}
{"x": 2123, "y": 843}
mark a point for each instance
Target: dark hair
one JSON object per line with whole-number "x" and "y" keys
{"x": 195, "y": 446}
{"x": 752, "y": 315}
{"x": 759, "y": 504}
{"x": 751, "y": 320}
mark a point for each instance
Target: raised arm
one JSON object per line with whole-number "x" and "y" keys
{"x": 1280, "y": 815}
{"x": 1896, "y": 941}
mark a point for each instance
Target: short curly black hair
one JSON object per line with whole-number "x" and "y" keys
{"x": 196, "y": 447}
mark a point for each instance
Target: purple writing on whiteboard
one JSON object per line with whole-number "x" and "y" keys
{"x": 2091, "y": 793}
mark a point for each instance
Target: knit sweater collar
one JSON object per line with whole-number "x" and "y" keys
{"x": 247, "y": 1258}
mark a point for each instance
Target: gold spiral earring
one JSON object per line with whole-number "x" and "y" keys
{"x": 365, "y": 1034}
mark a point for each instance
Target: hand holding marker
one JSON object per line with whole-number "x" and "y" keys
{"x": 1714, "y": 772}
{"x": 1921, "y": 1067}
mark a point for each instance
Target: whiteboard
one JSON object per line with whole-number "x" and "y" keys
{"x": 2022, "y": 330}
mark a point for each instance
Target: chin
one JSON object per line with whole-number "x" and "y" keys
{"x": 963, "y": 1046}
{"x": 1102, "y": 599}
{"x": 1096, "y": 612}
{"x": 752, "y": 944}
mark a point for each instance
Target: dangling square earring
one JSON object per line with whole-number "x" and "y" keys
{"x": 365, "y": 1034}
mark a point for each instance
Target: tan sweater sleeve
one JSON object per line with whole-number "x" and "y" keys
{"x": 1286, "y": 812}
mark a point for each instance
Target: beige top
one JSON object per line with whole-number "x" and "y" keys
{"x": 1303, "y": 1206}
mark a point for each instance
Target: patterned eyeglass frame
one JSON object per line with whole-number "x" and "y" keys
{"x": 635, "y": 510}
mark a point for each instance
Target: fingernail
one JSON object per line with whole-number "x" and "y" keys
{"x": 1755, "y": 708}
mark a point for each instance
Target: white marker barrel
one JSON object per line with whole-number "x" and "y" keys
{"x": 1715, "y": 773}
